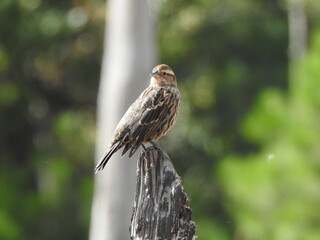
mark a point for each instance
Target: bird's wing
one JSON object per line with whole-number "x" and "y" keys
{"x": 126, "y": 129}
{"x": 148, "y": 121}
{"x": 122, "y": 132}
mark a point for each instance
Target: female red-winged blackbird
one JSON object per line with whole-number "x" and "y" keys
{"x": 151, "y": 116}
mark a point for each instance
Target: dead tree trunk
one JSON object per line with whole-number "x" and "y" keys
{"x": 160, "y": 211}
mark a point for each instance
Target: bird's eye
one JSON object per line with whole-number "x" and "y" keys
{"x": 164, "y": 73}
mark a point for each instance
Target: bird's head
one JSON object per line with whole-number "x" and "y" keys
{"x": 163, "y": 75}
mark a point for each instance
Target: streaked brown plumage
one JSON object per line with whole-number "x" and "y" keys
{"x": 151, "y": 116}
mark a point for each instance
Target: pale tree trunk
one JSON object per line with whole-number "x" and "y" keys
{"x": 128, "y": 58}
{"x": 298, "y": 34}
{"x": 297, "y": 21}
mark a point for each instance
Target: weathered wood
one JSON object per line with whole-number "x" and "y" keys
{"x": 160, "y": 211}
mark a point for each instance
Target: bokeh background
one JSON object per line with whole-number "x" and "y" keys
{"x": 246, "y": 143}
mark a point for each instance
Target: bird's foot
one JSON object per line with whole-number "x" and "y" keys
{"x": 155, "y": 145}
{"x": 144, "y": 148}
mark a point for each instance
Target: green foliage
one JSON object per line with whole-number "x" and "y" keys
{"x": 273, "y": 194}
{"x": 209, "y": 230}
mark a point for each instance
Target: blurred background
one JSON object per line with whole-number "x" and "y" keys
{"x": 246, "y": 143}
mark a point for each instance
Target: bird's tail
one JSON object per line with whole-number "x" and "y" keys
{"x": 102, "y": 163}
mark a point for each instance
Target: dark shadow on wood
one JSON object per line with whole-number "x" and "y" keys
{"x": 160, "y": 210}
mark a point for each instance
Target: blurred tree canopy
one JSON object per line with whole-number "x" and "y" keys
{"x": 246, "y": 141}
{"x": 273, "y": 193}
{"x": 49, "y": 69}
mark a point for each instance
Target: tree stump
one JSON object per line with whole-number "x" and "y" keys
{"x": 160, "y": 211}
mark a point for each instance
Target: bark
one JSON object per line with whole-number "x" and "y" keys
{"x": 160, "y": 210}
{"x": 128, "y": 58}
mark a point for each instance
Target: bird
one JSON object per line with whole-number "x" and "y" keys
{"x": 149, "y": 117}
